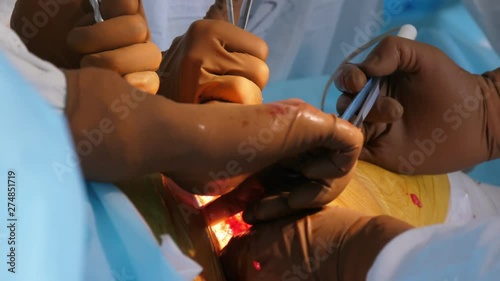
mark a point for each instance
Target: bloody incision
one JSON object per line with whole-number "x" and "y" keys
{"x": 416, "y": 200}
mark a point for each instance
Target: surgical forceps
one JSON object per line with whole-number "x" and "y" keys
{"x": 365, "y": 100}
{"x": 97, "y": 11}
{"x": 243, "y": 22}
{"x": 244, "y": 16}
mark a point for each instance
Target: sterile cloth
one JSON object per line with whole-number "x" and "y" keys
{"x": 465, "y": 248}
{"x": 442, "y": 253}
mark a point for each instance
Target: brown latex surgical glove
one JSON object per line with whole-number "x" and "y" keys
{"x": 121, "y": 132}
{"x": 215, "y": 61}
{"x": 432, "y": 116}
{"x": 44, "y": 26}
{"x": 71, "y": 39}
{"x": 333, "y": 244}
{"x": 283, "y": 190}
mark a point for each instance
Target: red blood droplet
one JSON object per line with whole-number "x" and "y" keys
{"x": 415, "y": 200}
{"x": 256, "y": 265}
{"x": 237, "y": 225}
{"x": 277, "y": 109}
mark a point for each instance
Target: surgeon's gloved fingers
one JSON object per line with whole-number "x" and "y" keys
{"x": 269, "y": 208}
{"x": 109, "y": 35}
{"x": 344, "y": 101}
{"x": 86, "y": 20}
{"x": 370, "y": 152}
{"x": 233, "y": 89}
{"x": 147, "y": 81}
{"x": 231, "y": 37}
{"x": 237, "y": 200}
{"x": 385, "y": 109}
{"x": 349, "y": 78}
{"x": 345, "y": 139}
{"x": 240, "y": 64}
{"x": 135, "y": 58}
{"x": 332, "y": 164}
{"x": 115, "y": 8}
{"x": 315, "y": 195}
{"x": 395, "y": 54}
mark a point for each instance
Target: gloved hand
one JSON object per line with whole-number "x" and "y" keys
{"x": 432, "y": 116}
{"x": 71, "y": 38}
{"x": 333, "y": 244}
{"x": 281, "y": 190}
{"x": 44, "y": 26}
{"x": 208, "y": 148}
{"x": 121, "y": 43}
{"x": 215, "y": 61}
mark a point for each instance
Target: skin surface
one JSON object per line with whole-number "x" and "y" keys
{"x": 430, "y": 109}
{"x": 333, "y": 244}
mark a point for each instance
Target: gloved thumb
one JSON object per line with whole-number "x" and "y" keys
{"x": 233, "y": 89}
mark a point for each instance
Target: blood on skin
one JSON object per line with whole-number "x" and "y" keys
{"x": 235, "y": 201}
{"x": 278, "y": 109}
{"x": 237, "y": 225}
{"x": 257, "y": 266}
{"x": 416, "y": 200}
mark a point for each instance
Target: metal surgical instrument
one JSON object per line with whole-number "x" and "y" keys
{"x": 363, "y": 102}
{"x": 97, "y": 12}
{"x": 244, "y": 16}
{"x": 365, "y": 99}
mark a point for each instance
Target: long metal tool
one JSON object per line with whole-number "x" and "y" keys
{"x": 230, "y": 11}
{"x": 244, "y": 15}
{"x": 97, "y": 11}
{"x": 364, "y": 101}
